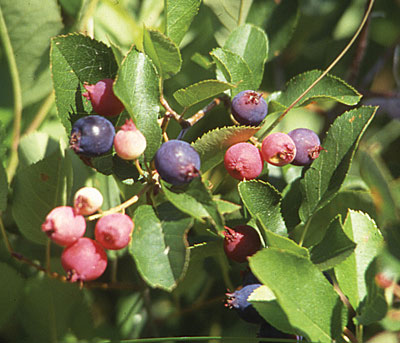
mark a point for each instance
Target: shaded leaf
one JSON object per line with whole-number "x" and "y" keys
{"x": 159, "y": 245}
{"x": 202, "y": 61}
{"x": 3, "y": 188}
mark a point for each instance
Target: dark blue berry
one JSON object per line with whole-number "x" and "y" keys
{"x": 238, "y": 301}
{"x": 249, "y": 108}
{"x": 308, "y": 146}
{"x": 177, "y": 162}
{"x": 92, "y": 136}
{"x": 249, "y": 278}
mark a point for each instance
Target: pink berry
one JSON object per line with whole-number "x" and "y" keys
{"x": 241, "y": 242}
{"x": 278, "y": 149}
{"x": 114, "y": 231}
{"x": 103, "y": 99}
{"x": 64, "y": 226}
{"x": 87, "y": 200}
{"x": 129, "y": 142}
{"x": 243, "y": 161}
{"x": 84, "y": 260}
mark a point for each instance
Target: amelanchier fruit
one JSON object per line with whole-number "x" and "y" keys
{"x": 249, "y": 108}
{"x": 241, "y": 242}
{"x": 308, "y": 146}
{"x": 129, "y": 142}
{"x": 278, "y": 149}
{"x": 87, "y": 200}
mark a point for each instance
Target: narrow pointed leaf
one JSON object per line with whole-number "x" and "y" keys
{"x": 350, "y": 274}
{"x": 137, "y": 86}
{"x": 326, "y": 174}
{"x": 312, "y": 306}
{"x": 200, "y": 91}
{"x": 159, "y": 245}
{"x": 213, "y": 144}
{"x": 178, "y": 17}
{"x": 163, "y": 52}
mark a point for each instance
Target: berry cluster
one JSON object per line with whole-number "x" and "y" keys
{"x": 243, "y": 161}
{"x": 94, "y": 135}
{"x": 83, "y": 258}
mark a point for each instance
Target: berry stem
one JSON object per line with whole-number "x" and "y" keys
{"x": 327, "y": 70}
{"x": 138, "y": 167}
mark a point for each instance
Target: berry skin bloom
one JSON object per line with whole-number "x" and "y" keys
{"x": 308, "y": 146}
{"x": 87, "y": 200}
{"x": 64, "y": 226}
{"x": 92, "y": 136}
{"x": 103, "y": 99}
{"x": 278, "y": 149}
{"x": 241, "y": 242}
{"x": 243, "y": 161}
{"x": 249, "y": 108}
{"x": 177, "y": 162}
{"x": 129, "y": 142}
{"x": 85, "y": 260}
{"x": 114, "y": 231}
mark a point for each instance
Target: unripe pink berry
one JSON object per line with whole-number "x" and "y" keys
{"x": 278, "y": 149}
{"x": 103, "y": 99}
{"x": 84, "y": 260}
{"x": 87, "y": 200}
{"x": 114, "y": 231}
{"x": 243, "y": 161}
{"x": 129, "y": 142}
{"x": 241, "y": 242}
{"x": 64, "y": 226}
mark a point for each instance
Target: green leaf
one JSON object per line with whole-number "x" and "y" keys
{"x": 329, "y": 88}
{"x": 37, "y": 190}
{"x": 200, "y": 91}
{"x": 29, "y": 37}
{"x": 159, "y": 245}
{"x": 350, "y": 274}
{"x": 263, "y": 202}
{"x": 163, "y": 52}
{"x": 275, "y": 240}
{"x": 201, "y": 60}
{"x": 195, "y": 200}
{"x": 334, "y": 248}
{"x": 312, "y": 306}
{"x": 326, "y": 174}
{"x": 76, "y": 59}
{"x": 225, "y": 207}
{"x": 232, "y": 68}
{"x": 178, "y": 17}
{"x": 11, "y": 290}
{"x": 213, "y": 144}
{"x": 251, "y": 43}
{"x": 3, "y": 188}
{"x": 137, "y": 86}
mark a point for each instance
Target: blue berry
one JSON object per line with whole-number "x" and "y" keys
{"x": 238, "y": 301}
{"x": 177, "y": 162}
{"x": 308, "y": 146}
{"x": 249, "y": 278}
{"x": 249, "y": 108}
{"x": 92, "y": 136}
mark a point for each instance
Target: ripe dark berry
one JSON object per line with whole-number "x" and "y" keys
{"x": 177, "y": 162}
{"x": 114, "y": 231}
{"x": 64, "y": 226}
{"x": 84, "y": 260}
{"x": 243, "y": 161}
{"x": 238, "y": 301}
{"x": 129, "y": 142}
{"x": 241, "y": 242}
{"x": 87, "y": 200}
{"x": 308, "y": 146}
{"x": 103, "y": 99}
{"x": 249, "y": 108}
{"x": 278, "y": 149}
{"x": 92, "y": 136}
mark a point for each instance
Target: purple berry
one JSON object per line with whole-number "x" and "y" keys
{"x": 114, "y": 231}
{"x": 308, "y": 146}
{"x": 64, "y": 226}
{"x": 241, "y": 242}
{"x": 243, "y": 161}
{"x": 238, "y": 301}
{"x": 129, "y": 142}
{"x": 177, "y": 162}
{"x": 87, "y": 200}
{"x": 249, "y": 108}
{"x": 103, "y": 99}
{"x": 92, "y": 136}
{"x": 84, "y": 260}
{"x": 278, "y": 149}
